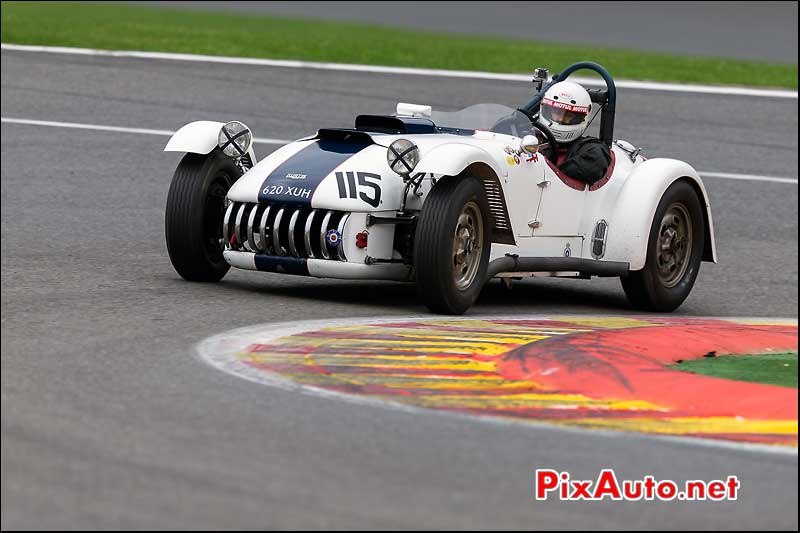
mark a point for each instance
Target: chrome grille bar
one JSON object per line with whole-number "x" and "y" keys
{"x": 340, "y": 247}
{"x": 251, "y": 241}
{"x": 323, "y": 231}
{"x": 276, "y": 240}
{"x": 262, "y": 231}
{"x": 292, "y": 224}
{"x": 238, "y": 227}
{"x": 226, "y": 224}
{"x": 307, "y": 233}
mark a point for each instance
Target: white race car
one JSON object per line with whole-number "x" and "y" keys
{"x": 446, "y": 199}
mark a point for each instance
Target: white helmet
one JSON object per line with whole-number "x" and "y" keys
{"x": 565, "y": 108}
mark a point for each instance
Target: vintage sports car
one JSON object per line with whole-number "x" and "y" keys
{"x": 446, "y": 199}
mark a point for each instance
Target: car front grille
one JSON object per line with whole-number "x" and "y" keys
{"x": 283, "y": 230}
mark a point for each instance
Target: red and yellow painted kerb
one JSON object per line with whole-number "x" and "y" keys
{"x": 592, "y": 372}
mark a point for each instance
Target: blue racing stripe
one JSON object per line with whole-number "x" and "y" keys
{"x": 296, "y": 179}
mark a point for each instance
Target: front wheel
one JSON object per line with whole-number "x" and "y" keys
{"x": 452, "y": 244}
{"x": 674, "y": 252}
{"x": 194, "y": 214}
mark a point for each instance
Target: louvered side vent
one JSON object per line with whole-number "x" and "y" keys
{"x": 599, "y": 239}
{"x": 282, "y": 230}
{"x": 501, "y": 224}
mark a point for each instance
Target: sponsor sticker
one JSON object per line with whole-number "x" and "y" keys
{"x": 567, "y": 107}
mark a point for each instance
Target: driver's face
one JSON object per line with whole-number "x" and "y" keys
{"x": 562, "y": 116}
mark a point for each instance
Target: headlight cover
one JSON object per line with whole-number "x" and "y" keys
{"x": 402, "y": 156}
{"x": 234, "y": 139}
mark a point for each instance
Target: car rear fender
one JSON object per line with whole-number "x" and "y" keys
{"x": 629, "y": 225}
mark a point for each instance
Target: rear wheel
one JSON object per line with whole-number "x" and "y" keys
{"x": 452, "y": 244}
{"x": 194, "y": 214}
{"x": 674, "y": 252}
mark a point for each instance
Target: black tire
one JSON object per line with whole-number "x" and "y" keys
{"x": 651, "y": 288}
{"x": 194, "y": 215}
{"x": 435, "y": 238}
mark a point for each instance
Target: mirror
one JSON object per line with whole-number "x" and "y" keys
{"x": 529, "y": 144}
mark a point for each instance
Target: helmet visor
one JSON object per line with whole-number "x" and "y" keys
{"x": 564, "y": 114}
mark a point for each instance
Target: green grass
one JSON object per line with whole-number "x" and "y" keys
{"x": 131, "y": 27}
{"x": 771, "y": 368}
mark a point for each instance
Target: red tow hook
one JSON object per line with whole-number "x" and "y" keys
{"x": 361, "y": 239}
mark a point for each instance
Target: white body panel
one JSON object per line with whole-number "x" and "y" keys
{"x": 451, "y": 158}
{"x": 372, "y": 159}
{"x": 549, "y": 215}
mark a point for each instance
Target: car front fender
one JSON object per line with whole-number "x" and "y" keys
{"x": 456, "y": 159}
{"x": 452, "y": 159}
{"x": 198, "y": 137}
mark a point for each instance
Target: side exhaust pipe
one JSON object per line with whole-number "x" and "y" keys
{"x": 591, "y": 267}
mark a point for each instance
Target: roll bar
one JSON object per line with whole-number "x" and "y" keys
{"x": 607, "y": 98}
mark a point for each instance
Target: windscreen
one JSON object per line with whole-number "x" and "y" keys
{"x": 488, "y": 117}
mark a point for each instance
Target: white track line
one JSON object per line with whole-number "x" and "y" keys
{"x": 98, "y": 127}
{"x": 263, "y": 140}
{"x": 747, "y": 177}
{"x": 347, "y": 67}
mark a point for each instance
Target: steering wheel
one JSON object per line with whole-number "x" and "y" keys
{"x": 550, "y": 146}
{"x": 519, "y": 125}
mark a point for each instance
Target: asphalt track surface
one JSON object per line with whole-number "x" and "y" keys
{"x": 109, "y": 420}
{"x": 761, "y": 31}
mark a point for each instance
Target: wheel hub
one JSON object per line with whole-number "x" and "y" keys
{"x": 674, "y": 245}
{"x": 466, "y": 245}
